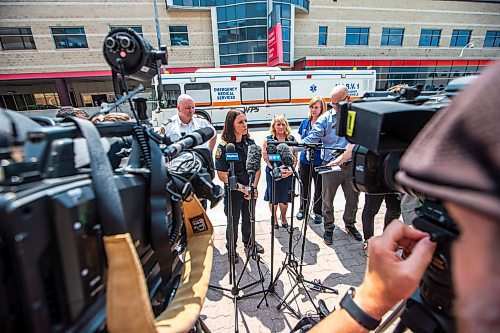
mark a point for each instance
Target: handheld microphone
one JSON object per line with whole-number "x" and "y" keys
{"x": 191, "y": 140}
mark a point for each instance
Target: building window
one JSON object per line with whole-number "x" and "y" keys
{"x": 460, "y": 38}
{"x": 69, "y": 38}
{"x": 492, "y": 39}
{"x": 429, "y": 37}
{"x": 178, "y": 35}
{"x": 17, "y": 39}
{"x": 136, "y": 28}
{"x": 356, "y": 36}
{"x": 392, "y": 36}
{"x": 47, "y": 100}
{"x": 323, "y": 36}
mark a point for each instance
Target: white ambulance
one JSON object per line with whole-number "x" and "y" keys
{"x": 260, "y": 92}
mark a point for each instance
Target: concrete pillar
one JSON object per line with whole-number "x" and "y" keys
{"x": 62, "y": 91}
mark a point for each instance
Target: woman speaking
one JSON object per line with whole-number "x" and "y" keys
{"x": 236, "y": 132}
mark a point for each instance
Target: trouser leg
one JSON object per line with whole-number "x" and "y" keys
{"x": 331, "y": 182}
{"x": 304, "y": 190}
{"x": 393, "y": 208}
{"x": 318, "y": 200}
{"x": 245, "y": 221}
{"x": 237, "y": 201}
{"x": 351, "y": 197}
{"x": 371, "y": 208}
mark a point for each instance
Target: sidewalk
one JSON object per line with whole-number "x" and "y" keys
{"x": 338, "y": 266}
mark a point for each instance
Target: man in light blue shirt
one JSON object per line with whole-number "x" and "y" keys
{"x": 324, "y": 131}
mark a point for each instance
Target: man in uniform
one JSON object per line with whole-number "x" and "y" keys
{"x": 186, "y": 122}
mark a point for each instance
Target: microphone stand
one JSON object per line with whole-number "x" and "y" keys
{"x": 290, "y": 263}
{"x": 231, "y": 186}
{"x": 251, "y": 250}
{"x": 272, "y": 283}
{"x": 252, "y": 253}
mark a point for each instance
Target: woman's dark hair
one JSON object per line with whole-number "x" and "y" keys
{"x": 228, "y": 131}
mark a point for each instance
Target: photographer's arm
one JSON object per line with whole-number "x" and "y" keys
{"x": 389, "y": 278}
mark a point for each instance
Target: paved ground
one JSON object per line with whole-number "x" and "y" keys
{"x": 338, "y": 266}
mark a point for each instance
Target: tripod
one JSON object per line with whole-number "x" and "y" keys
{"x": 290, "y": 263}
{"x": 272, "y": 283}
{"x": 251, "y": 249}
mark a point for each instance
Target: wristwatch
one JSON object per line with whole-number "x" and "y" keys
{"x": 347, "y": 303}
{"x": 243, "y": 187}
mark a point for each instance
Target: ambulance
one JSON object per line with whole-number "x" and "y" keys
{"x": 261, "y": 93}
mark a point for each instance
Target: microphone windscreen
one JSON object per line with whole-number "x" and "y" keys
{"x": 206, "y": 134}
{"x": 286, "y": 155}
{"x": 230, "y": 148}
{"x": 271, "y": 148}
{"x": 254, "y": 157}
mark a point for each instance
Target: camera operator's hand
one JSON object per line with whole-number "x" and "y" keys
{"x": 389, "y": 277}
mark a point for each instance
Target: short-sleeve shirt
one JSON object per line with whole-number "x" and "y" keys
{"x": 239, "y": 166}
{"x": 304, "y": 128}
{"x": 175, "y": 127}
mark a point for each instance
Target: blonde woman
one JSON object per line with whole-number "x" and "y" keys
{"x": 280, "y": 131}
{"x": 317, "y": 106}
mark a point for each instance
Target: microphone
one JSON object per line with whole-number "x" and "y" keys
{"x": 231, "y": 156}
{"x": 287, "y": 158}
{"x": 273, "y": 157}
{"x": 191, "y": 140}
{"x": 286, "y": 155}
{"x": 253, "y": 160}
{"x": 315, "y": 145}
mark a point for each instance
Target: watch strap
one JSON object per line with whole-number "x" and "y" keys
{"x": 365, "y": 320}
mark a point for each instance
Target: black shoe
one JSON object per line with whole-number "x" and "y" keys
{"x": 354, "y": 233}
{"x": 300, "y": 215}
{"x": 318, "y": 219}
{"x": 328, "y": 237}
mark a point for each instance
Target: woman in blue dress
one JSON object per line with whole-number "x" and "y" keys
{"x": 317, "y": 106}
{"x": 280, "y": 131}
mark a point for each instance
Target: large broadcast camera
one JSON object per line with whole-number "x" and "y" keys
{"x": 382, "y": 129}
{"x": 68, "y": 217}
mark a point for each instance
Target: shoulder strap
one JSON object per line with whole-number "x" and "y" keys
{"x": 108, "y": 199}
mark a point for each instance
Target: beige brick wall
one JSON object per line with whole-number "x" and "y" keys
{"x": 410, "y": 15}
{"x": 97, "y": 16}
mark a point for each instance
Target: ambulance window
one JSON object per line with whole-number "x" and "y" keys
{"x": 252, "y": 92}
{"x": 170, "y": 94}
{"x": 200, "y": 93}
{"x": 278, "y": 91}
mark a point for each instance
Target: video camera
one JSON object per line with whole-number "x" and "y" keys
{"x": 60, "y": 200}
{"x": 382, "y": 129}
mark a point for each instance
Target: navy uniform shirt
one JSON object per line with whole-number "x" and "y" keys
{"x": 239, "y": 166}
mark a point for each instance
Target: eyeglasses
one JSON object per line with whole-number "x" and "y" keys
{"x": 333, "y": 104}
